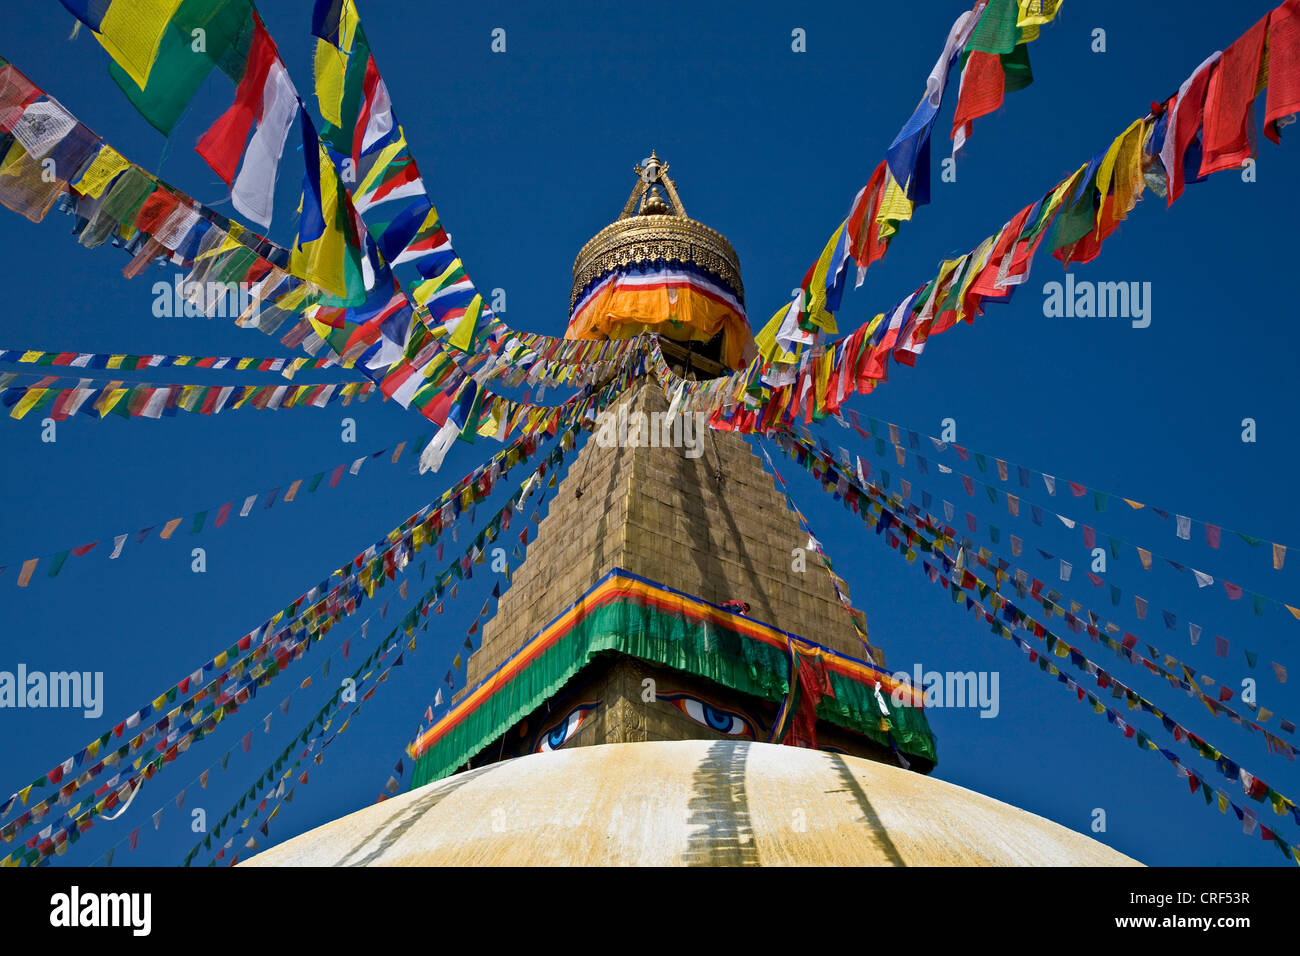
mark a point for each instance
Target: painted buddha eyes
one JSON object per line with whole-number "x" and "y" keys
{"x": 725, "y": 722}
{"x": 715, "y": 718}
{"x": 561, "y": 733}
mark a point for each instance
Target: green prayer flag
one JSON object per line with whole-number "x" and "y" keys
{"x": 996, "y": 30}
{"x": 56, "y": 563}
{"x": 1015, "y": 65}
{"x": 201, "y": 34}
{"x": 1077, "y": 220}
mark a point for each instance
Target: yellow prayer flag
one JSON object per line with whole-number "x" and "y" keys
{"x": 768, "y": 350}
{"x": 132, "y": 30}
{"x": 189, "y": 397}
{"x": 330, "y": 69}
{"x": 490, "y": 424}
{"x": 894, "y": 206}
{"x": 30, "y": 398}
{"x": 170, "y": 527}
{"x": 1118, "y": 163}
{"x": 1035, "y": 13}
{"x": 815, "y": 305}
{"x": 102, "y": 170}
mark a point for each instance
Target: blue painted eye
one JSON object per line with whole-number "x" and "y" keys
{"x": 715, "y": 718}
{"x": 560, "y": 734}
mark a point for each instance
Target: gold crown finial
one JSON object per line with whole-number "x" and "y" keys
{"x": 655, "y": 228}
{"x": 645, "y": 200}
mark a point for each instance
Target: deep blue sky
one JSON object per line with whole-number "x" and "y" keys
{"x": 526, "y": 155}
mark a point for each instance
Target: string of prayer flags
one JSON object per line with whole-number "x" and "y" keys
{"x": 272, "y": 781}
{"x": 222, "y": 253}
{"x": 1252, "y": 785}
{"x": 1202, "y": 579}
{"x": 202, "y": 778}
{"x": 286, "y": 366}
{"x": 198, "y": 522}
{"x": 988, "y": 47}
{"x": 806, "y": 453}
{"x": 1089, "y": 534}
{"x": 1074, "y": 218}
{"x": 407, "y": 624}
{"x": 432, "y": 597}
{"x": 98, "y": 397}
{"x": 290, "y": 631}
{"x": 1183, "y": 525}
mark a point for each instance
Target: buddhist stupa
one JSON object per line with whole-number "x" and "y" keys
{"x": 662, "y": 683}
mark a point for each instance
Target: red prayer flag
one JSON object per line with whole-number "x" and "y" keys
{"x": 1283, "y": 96}
{"x": 864, "y": 234}
{"x": 1185, "y": 122}
{"x": 223, "y": 144}
{"x": 1225, "y": 139}
{"x": 983, "y": 85}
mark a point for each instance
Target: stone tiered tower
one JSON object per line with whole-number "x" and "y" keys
{"x": 690, "y": 513}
